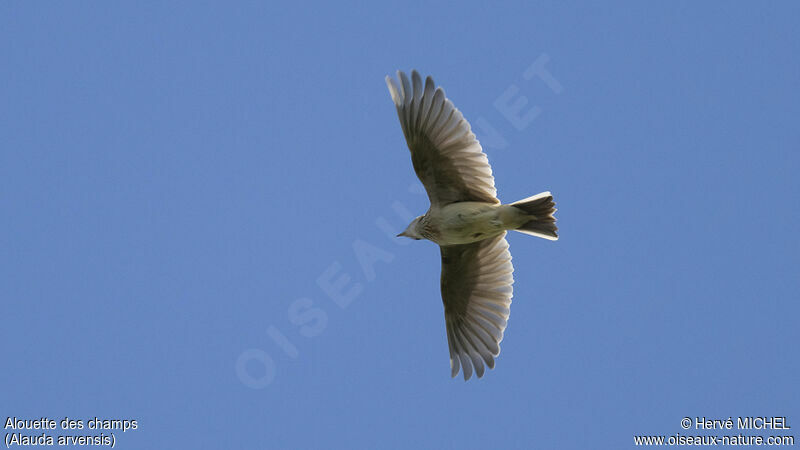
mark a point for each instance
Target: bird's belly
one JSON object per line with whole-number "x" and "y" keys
{"x": 466, "y": 222}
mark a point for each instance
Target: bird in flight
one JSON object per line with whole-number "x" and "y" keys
{"x": 466, "y": 219}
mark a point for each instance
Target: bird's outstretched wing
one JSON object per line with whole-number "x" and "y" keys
{"x": 476, "y": 291}
{"x": 446, "y": 156}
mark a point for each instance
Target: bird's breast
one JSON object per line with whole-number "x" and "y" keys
{"x": 464, "y": 223}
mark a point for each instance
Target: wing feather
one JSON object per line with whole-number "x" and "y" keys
{"x": 472, "y": 351}
{"x": 462, "y": 354}
{"x": 446, "y": 156}
{"x": 476, "y": 291}
{"x": 455, "y": 363}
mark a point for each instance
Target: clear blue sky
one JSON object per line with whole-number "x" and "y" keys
{"x": 176, "y": 179}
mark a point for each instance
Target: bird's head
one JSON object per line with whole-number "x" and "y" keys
{"x": 412, "y": 231}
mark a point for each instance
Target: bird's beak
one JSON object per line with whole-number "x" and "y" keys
{"x": 401, "y": 234}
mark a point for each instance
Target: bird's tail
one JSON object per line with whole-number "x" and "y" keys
{"x": 541, "y": 209}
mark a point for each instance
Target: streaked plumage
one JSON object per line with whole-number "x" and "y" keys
{"x": 466, "y": 219}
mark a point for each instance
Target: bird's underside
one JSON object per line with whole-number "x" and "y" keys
{"x": 466, "y": 219}
{"x": 468, "y": 222}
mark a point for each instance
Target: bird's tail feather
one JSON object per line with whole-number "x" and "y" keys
{"x": 542, "y": 209}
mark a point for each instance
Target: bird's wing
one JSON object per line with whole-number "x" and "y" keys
{"x": 476, "y": 291}
{"x": 446, "y": 156}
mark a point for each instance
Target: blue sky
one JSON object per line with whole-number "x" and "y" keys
{"x": 181, "y": 183}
